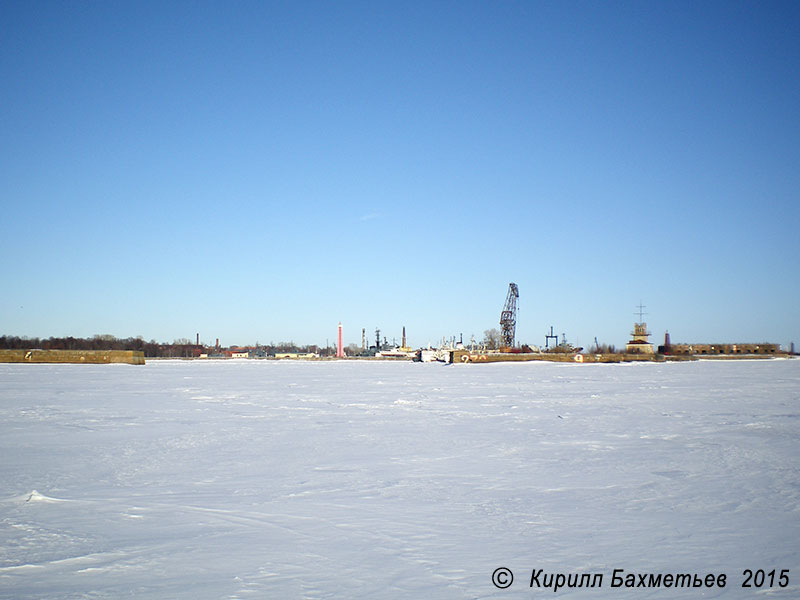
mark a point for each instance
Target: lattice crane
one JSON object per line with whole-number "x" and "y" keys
{"x": 508, "y": 318}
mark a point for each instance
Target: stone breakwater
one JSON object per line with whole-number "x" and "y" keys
{"x": 131, "y": 357}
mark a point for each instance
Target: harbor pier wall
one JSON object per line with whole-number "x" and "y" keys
{"x": 131, "y": 357}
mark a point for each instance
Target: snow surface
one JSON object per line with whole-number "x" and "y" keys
{"x": 264, "y": 479}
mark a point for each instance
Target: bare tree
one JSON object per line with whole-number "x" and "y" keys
{"x": 491, "y": 337}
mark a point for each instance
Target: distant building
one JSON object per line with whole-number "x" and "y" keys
{"x": 640, "y": 343}
{"x": 296, "y": 355}
{"x": 711, "y": 349}
{"x": 240, "y": 354}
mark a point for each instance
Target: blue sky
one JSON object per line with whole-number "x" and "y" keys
{"x": 260, "y": 171}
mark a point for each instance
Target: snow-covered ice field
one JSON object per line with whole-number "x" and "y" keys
{"x": 263, "y": 479}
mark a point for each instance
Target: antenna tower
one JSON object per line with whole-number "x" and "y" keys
{"x": 508, "y": 318}
{"x": 641, "y": 312}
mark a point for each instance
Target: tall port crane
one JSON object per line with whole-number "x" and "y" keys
{"x": 508, "y": 318}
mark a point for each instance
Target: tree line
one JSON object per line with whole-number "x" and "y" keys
{"x": 151, "y": 349}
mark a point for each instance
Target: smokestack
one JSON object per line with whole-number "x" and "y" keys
{"x": 404, "y": 336}
{"x": 217, "y": 346}
{"x": 198, "y": 340}
{"x": 363, "y": 338}
{"x": 339, "y": 348}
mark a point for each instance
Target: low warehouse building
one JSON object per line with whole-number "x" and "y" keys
{"x": 711, "y": 349}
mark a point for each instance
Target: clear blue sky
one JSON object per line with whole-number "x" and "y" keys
{"x": 260, "y": 171}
